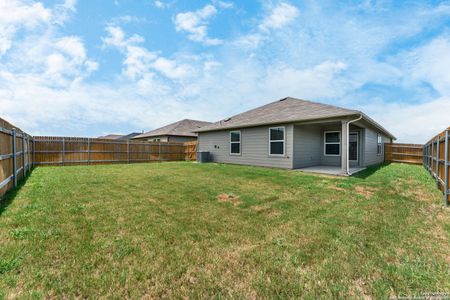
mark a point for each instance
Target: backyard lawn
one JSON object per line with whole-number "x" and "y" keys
{"x": 192, "y": 230}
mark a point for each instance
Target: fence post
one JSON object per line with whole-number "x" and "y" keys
{"x": 89, "y": 151}
{"x": 437, "y": 160}
{"x": 29, "y": 154}
{"x": 63, "y": 150}
{"x": 432, "y": 156}
{"x": 23, "y": 155}
{"x": 446, "y": 187}
{"x": 34, "y": 152}
{"x": 14, "y": 157}
{"x": 128, "y": 151}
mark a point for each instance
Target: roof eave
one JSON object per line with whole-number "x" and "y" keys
{"x": 155, "y": 135}
{"x": 279, "y": 122}
{"x": 355, "y": 113}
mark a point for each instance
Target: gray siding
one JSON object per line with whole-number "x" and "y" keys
{"x": 254, "y": 147}
{"x": 171, "y": 138}
{"x": 181, "y": 139}
{"x": 370, "y": 148}
{"x": 307, "y": 146}
{"x": 327, "y": 160}
{"x": 304, "y": 146}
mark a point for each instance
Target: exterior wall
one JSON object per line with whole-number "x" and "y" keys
{"x": 172, "y": 138}
{"x": 370, "y": 148}
{"x": 181, "y": 139}
{"x": 324, "y": 159}
{"x": 327, "y": 160}
{"x": 254, "y": 147}
{"x": 304, "y": 146}
{"x": 307, "y": 146}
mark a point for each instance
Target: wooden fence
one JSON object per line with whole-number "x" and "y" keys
{"x": 190, "y": 152}
{"x": 436, "y": 160}
{"x": 403, "y": 153}
{"x": 66, "y": 151}
{"x": 15, "y": 155}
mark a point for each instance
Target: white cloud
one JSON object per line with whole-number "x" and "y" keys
{"x": 409, "y": 122}
{"x": 45, "y": 72}
{"x": 139, "y": 61}
{"x": 281, "y": 15}
{"x": 320, "y": 81}
{"x": 15, "y": 14}
{"x": 160, "y": 4}
{"x": 223, "y": 4}
{"x": 278, "y": 16}
{"x": 195, "y": 24}
{"x": 431, "y": 63}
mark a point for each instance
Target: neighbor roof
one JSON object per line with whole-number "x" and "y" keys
{"x": 119, "y": 136}
{"x": 287, "y": 110}
{"x": 111, "y": 136}
{"x": 184, "y": 127}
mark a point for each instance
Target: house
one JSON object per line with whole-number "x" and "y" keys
{"x": 297, "y": 134}
{"x": 181, "y": 131}
{"x": 120, "y": 136}
{"x": 110, "y": 137}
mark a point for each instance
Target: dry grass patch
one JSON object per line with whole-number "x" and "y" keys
{"x": 229, "y": 198}
{"x": 365, "y": 191}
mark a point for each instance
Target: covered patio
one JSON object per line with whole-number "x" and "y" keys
{"x": 332, "y": 147}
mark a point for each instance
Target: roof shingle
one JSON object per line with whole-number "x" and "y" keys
{"x": 285, "y": 111}
{"x": 184, "y": 127}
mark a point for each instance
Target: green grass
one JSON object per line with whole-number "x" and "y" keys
{"x": 159, "y": 230}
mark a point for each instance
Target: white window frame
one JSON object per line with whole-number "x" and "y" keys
{"x": 325, "y": 143}
{"x": 283, "y": 140}
{"x": 379, "y": 144}
{"x": 240, "y": 142}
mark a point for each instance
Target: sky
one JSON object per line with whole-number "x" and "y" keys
{"x": 94, "y": 67}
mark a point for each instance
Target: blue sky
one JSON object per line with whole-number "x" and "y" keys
{"x": 88, "y": 68}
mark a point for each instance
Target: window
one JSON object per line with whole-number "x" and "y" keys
{"x": 379, "y": 144}
{"x": 332, "y": 143}
{"x": 276, "y": 141}
{"x": 235, "y": 142}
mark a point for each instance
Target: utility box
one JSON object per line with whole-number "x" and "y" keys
{"x": 203, "y": 156}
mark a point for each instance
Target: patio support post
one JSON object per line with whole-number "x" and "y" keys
{"x": 344, "y": 146}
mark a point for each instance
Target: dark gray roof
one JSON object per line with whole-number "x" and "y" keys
{"x": 111, "y": 137}
{"x": 285, "y": 111}
{"x": 184, "y": 127}
{"x": 130, "y": 135}
{"x": 119, "y": 136}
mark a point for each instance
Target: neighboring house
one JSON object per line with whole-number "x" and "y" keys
{"x": 110, "y": 137}
{"x": 181, "y": 131}
{"x": 297, "y": 134}
{"x": 120, "y": 136}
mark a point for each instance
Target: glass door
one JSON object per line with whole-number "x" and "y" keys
{"x": 353, "y": 146}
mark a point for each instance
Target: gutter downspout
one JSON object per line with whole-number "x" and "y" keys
{"x": 348, "y": 134}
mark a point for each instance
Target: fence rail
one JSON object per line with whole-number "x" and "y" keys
{"x": 403, "y": 153}
{"x": 436, "y": 160}
{"x": 20, "y": 151}
{"x": 15, "y": 155}
{"x": 90, "y": 151}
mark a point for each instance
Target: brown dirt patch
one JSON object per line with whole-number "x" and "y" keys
{"x": 366, "y": 192}
{"x": 230, "y": 198}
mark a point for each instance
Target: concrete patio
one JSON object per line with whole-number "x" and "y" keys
{"x": 330, "y": 170}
